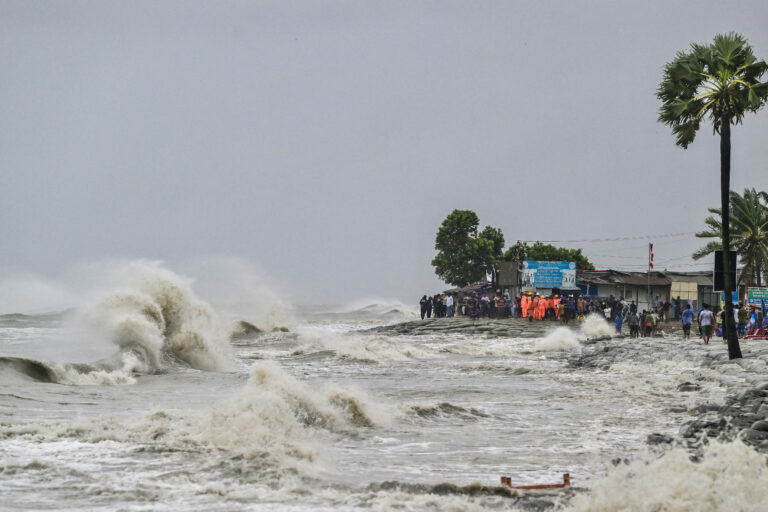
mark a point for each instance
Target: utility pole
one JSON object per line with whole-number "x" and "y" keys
{"x": 650, "y": 266}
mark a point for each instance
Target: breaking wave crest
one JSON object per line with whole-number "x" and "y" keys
{"x": 559, "y": 340}
{"x": 359, "y": 347}
{"x": 121, "y": 371}
{"x": 595, "y": 326}
{"x": 566, "y": 339}
{"x": 447, "y": 410}
{"x": 159, "y": 319}
{"x": 729, "y": 476}
{"x": 153, "y": 318}
{"x": 271, "y": 424}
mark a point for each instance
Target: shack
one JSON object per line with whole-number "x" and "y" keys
{"x": 643, "y": 288}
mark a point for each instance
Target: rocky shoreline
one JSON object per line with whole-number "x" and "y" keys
{"x": 495, "y": 328}
{"x": 744, "y": 415}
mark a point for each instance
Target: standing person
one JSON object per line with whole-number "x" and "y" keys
{"x": 742, "y": 317}
{"x": 472, "y": 306}
{"x": 484, "y": 309}
{"x": 753, "y": 318}
{"x": 429, "y": 307}
{"x": 532, "y": 304}
{"x": 705, "y": 320}
{"x": 449, "y": 305}
{"x": 634, "y": 321}
{"x": 423, "y": 306}
{"x": 687, "y": 321}
{"x": 619, "y": 320}
{"x": 655, "y": 317}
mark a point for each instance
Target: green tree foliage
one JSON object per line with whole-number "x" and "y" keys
{"x": 748, "y": 233}
{"x": 546, "y": 252}
{"x": 722, "y": 81}
{"x": 463, "y": 255}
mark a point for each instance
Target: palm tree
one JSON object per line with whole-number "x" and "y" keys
{"x": 720, "y": 80}
{"x": 748, "y": 233}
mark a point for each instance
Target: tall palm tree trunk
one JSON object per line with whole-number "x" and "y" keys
{"x": 734, "y": 351}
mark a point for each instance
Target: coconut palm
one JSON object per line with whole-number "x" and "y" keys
{"x": 720, "y": 81}
{"x": 748, "y": 233}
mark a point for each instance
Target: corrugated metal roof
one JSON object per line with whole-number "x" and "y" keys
{"x": 613, "y": 277}
{"x": 701, "y": 278}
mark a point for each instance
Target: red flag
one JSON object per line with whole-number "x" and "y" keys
{"x": 650, "y": 255}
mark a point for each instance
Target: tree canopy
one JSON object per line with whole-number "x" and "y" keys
{"x": 720, "y": 80}
{"x": 465, "y": 256}
{"x": 545, "y": 252}
{"x": 748, "y": 233}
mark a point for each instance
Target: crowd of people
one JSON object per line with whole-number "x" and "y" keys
{"x": 639, "y": 323}
{"x": 748, "y": 320}
{"x": 532, "y": 306}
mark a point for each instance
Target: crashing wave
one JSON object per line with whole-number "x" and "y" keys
{"x": 154, "y": 319}
{"x": 728, "y": 476}
{"x": 270, "y": 424}
{"x": 565, "y": 339}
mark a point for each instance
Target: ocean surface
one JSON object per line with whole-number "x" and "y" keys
{"x": 148, "y": 398}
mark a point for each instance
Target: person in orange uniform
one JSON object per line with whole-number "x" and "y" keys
{"x": 556, "y": 307}
{"x": 542, "y": 308}
{"x": 524, "y": 305}
{"x": 532, "y": 304}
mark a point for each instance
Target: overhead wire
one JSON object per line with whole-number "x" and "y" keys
{"x": 613, "y": 239}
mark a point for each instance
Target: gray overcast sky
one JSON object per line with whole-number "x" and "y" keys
{"x": 326, "y": 141}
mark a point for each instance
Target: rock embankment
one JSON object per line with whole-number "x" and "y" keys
{"x": 744, "y": 414}
{"x": 491, "y": 328}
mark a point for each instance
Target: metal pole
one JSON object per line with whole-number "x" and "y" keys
{"x": 648, "y": 293}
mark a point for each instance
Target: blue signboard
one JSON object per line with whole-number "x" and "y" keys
{"x": 549, "y": 274}
{"x": 734, "y": 297}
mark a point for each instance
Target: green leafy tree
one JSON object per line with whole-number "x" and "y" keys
{"x": 546, "y": 252}
{"x": 748, "y": 233}
{"x": 721, "y": 81}
{"x": 463, "y": 255}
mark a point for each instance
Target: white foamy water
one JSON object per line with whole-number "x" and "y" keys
{"x": 170, "y": 414}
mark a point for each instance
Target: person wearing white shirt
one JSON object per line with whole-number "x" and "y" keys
{"x": 705, "y": 320}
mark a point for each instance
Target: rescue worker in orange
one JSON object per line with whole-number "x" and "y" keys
{"x": 524, "y": 305}
{"x": 542, "y": 309}
{"x": 556, "y": 307}
{"x": 532, "y": 304}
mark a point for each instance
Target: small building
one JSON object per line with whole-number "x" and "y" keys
{"x": 642, "y": 287}
{"x": 693, "y": 286}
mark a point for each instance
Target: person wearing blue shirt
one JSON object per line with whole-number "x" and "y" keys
{"x": 687, "y": 320}
{"x": 619, "y": 321}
